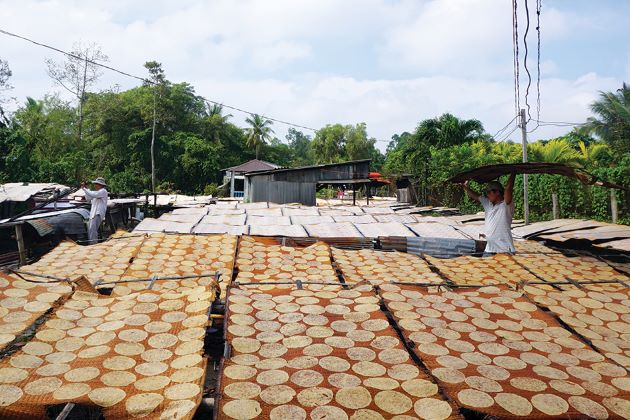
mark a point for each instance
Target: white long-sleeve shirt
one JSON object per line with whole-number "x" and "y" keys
{"x": 498, "y": 226}
{"x": 98, "y": 199}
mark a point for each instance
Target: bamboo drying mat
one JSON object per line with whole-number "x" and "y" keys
{"x": 264, "y": 261}
{"x": 105, "y": 261}
{"x": 22, "y": 302}
{"x": 497, "y": 269}
{"x": 498, "y": 354}
{"x": 558, "y": 267}
{"x": 600, "y": 316}
{"x": 137, "y": 356}
{"x": 322, "y": 351}
{"x": 379, "y": 267}
{"x": 166, "y": 255}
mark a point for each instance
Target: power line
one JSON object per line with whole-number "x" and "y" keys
{"x": 559, "y": 123}
{"x": 504, "y": 128}
{"x": 538, "y": 11}
{"x": 505, "y": 137}
{"x": 147, "y": 81}
{"x": 515, "y": 59}
{"x": 529, "y": 75}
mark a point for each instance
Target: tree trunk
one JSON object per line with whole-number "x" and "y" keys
{"x": 257, "y": 150}
{"x": 153, "y": 143}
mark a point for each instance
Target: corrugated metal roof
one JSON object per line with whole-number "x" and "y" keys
{"x": 333, "y": 230}
{"x": 356, "y": 219}
{"x": 436, "y": 230}
{"x": 374, "y": 230}
{"x": 294, "y": 231}
{"x": 268, "y": 220}
{"x": 226, "y": 219}
{"x": 22, "y": 191}
{"x": 251, "y": 166}
{"x": 212, "y": 229}
{"x": 154, "y": 225}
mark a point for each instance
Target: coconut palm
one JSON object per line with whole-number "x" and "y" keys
{"x": 259, "y": 132}
{"x": 612, "y": 123}
{"x": 217, "y": 110}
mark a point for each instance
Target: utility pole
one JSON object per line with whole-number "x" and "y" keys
{"x": 525, "y": 192}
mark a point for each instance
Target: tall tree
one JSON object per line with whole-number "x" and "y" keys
{"x": 157, "y": 80}
{"x": 300, "y": 144}
{"x": 259, "y": 132}
{"x": 612, "y": 121}
{"x": 5, "y": 74}
{"x": 77, "y": 74}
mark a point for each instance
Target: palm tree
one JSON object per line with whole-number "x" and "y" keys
{"x": 593, "y": 154}
{"x": 259, "y": 133}
{"x": 554, "y": 151}
{"x": 217, "y": 110}
{"x": 448, "y": 130}
{"x": 612, "y": 123}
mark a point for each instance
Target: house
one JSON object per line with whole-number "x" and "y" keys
{"x": 299, "y": 185}
{"x": 235, "y": 175}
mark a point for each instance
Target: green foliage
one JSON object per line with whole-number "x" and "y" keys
{"x": 259, "y": 132}
{"x": 338, "y": 143}
{"x": 612, "y": 121}
{"x": 194, "y": 141}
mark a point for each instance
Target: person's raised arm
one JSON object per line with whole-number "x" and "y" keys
{"x": 470, "y": 192}
{"x": 509, "y": 189}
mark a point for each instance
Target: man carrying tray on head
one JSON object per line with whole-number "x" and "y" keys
{"x": 499, "y": 208}
{"x": 98, "y": 199}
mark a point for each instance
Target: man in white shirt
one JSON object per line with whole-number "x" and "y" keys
{"x": 499, "y": 208}
{"x": 98, "y": 201}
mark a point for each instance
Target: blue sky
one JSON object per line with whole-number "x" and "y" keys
{"x": 388, "y": 63}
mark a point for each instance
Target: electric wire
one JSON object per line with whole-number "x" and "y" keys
{"x": 538, "y": 11}
{"x": 505, "y": 137}
{"x": 149, "y": 82}
{"x": 529, "y": 75}
{"x": 504, "y": 128}
{"x": 517, "y": 88}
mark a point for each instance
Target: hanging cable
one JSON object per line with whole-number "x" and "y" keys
{"x": 498, "y": 133}
{"x": 149, "y": 82}
{"x": 538, "y": 11}
{"x": 529, "y": 75}
{"x": 506, "y": 136}
{"x": 515, "y": 59}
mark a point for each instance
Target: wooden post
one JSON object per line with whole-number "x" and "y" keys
{"x": 554, "y": 199}
{"x": 20, "y": 243}
{"x": 613, "y": 206}
{"x": 354, "y": 194}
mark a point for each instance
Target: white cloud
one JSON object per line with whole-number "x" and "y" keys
{"x": 417, "y": 59}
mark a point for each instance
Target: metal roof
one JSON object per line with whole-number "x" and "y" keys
{"x": 22, "y": 191}
{"x": 303, "y": 168}
{"x": 251, "y": 166}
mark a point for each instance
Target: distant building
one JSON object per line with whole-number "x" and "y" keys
{"x": 299, "y": 185}
{"x": 235, "y": 175}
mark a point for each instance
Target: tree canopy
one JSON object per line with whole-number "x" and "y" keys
{"x": 193, "y": 140}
